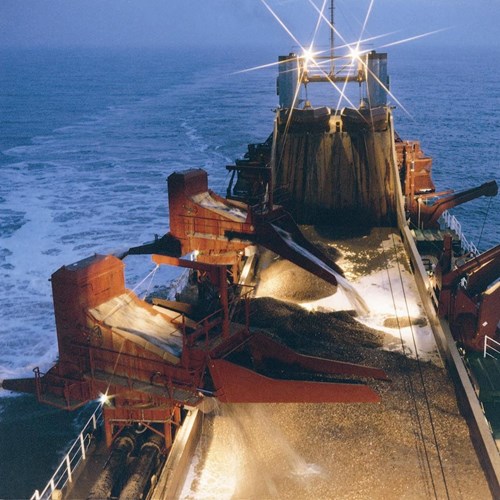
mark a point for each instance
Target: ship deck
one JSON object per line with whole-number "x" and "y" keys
{"x": 88, "y": 474}
{"x": 413, "y": 444}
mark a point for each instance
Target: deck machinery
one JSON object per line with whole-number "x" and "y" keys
{"x": 151, "y": 360}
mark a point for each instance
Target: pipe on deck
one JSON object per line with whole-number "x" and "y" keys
{"x": 114, "y": 467}
{"x": 143, "y": 469}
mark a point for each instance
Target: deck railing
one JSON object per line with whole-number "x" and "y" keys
{"x": 491, "y": 348}
{"x": 451, "y": 222}
{"x": 76, "y": 454}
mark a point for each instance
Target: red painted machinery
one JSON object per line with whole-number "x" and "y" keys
{"x": 415, "y": 175}
{"x": 469, "y": 296}
{"x": 219, "y": 229}
{"x": 150, "y": 360}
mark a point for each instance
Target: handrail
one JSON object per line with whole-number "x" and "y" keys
{"x": 452, "y": 223}
{"x": 208, "y": 323}
{"x": 486, "y": 346}
{"x": 71, "y": 392}
{"x": 76, "y": 454}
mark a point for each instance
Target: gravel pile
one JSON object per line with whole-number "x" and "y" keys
{"x": 414, "y": 444}
{"x": 336, "y": 335}
{"x": 289, "y": 282}
{"x": 386, "y": 450}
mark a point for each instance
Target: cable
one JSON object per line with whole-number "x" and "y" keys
{"x": 484, "y": 222}
{"x": 411, "y": 388}
{"x": 152, "y": 273}
{"x": 421, "y": 375}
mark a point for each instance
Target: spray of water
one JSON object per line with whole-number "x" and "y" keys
{"x": 248, "y": 456}
{"x": 357, "y": 302}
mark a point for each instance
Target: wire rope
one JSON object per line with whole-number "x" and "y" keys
{"x": 411, "y": 388}
{"x": 152, "y": 274}
{"x": 130, "y": 292}
{"x": 484, "y": 222}
{"x": 421, "y": 375}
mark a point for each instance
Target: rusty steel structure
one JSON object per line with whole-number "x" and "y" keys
{"x": 423, "y": 204}
{"x": 150, "y": 360}
{"x": 469, "y": 295}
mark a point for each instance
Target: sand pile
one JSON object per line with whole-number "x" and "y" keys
{"x": 289, "y": 282}
{"x": 337, "y": 335}
{"x": 414, "y": 444}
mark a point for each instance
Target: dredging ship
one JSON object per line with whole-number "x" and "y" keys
{"x": 322, "y": 173}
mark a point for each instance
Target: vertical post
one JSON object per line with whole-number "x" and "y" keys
{"x": 247, "y": 313}
{"x": 38, "y": 383}
{"x": 409, "y": 201}
{"x": 412, "y": 176}
{"x": 68, "y": 468}
{"x": 108, "y": 430}
{"x": 82, "y": 446}
{"x": 176, "y": 414}
{"x": 224, "y": 300}
{"x": 184, "y": 353}
{"x": 168, "y": 435}
{"x": 272, "y": 170}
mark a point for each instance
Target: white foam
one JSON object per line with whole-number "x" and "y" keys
{"x": 88, "y": 187}
{"x": 390, "y": 293}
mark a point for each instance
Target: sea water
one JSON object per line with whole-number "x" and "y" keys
{"x": 89, "y": 137}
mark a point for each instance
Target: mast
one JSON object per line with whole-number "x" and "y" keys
{"x": 332, "y": 37}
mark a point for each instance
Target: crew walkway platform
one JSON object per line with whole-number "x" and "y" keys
{"x": 436, "y": 235}
{"x": 486, "y": 372}
{"x": 486, "y": 376}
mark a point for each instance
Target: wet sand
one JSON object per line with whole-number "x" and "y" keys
{"x": 414, "y": 444}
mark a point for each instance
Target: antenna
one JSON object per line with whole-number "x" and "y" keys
{"x": 332, "y": 37}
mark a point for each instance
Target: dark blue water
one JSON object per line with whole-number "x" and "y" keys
{"x": 89, "y": 137}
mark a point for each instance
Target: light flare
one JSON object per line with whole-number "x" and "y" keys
{"x": 355, "y": 53}
{"x": 316, "y": 53}
{"x": 367, "y": 17}
{"x": 308, "y": 57}
{"x": 416, "y": 37}
{"x": 318, "y": 23}
{"x": 354, "y": 47}
{"x": 282, "y": 24}
{"x": 105, "y": 399}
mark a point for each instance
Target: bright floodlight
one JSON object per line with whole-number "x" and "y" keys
{"x": 104, "y": 399}
{"x": 354, "y": 53}
{"x": 308, "y": 56}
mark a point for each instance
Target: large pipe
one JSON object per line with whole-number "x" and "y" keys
{"x": 26, "y": 385}
{"x": 115, "y": 465}
{"x": 143, "y": 469}
{"x": 430, "y": 213}
{"x": 487, "y": 262}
